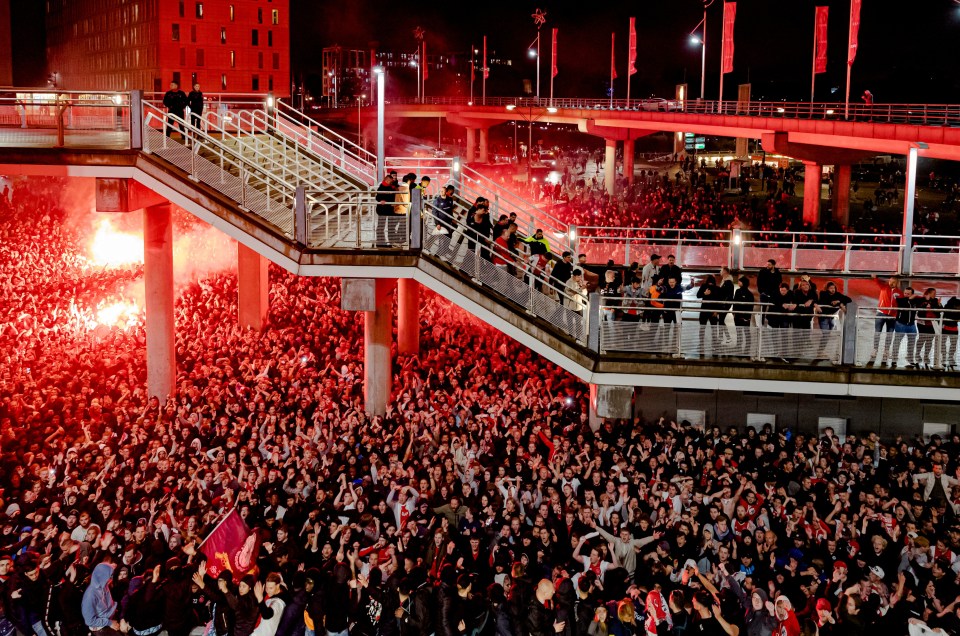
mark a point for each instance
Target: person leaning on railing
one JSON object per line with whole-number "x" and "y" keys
{"x": 831, "y": 303}
{"x": 906, "y": 323}
{"x": 931, "y": 311}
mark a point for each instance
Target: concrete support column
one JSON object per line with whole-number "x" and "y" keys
{"x": 253, "y": 288}
{"x": 628, "y": 148}
{"x": 408, "y": 316}
{"x": 812, "y": 174}
{"x": 841, "y": 193}
{"x": 158, "y": 282}
{"x": 610, "y": 166}
{"x": 377, "y": 336}
{"x": 615, "y": 402}
{"x": 471, "y": 144}
{"x": 484, "y": 145}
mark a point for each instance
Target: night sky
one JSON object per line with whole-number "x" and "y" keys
{"x": 907, "y": 54}
{"x": 908, "y": 50}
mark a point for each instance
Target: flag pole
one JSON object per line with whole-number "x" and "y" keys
{"x": 846, "y": 100}
{"x": 484, "y": 70}
{"x": 553, "y": 63}
{"x": 473, "y": 69}
{"x": 813, "y": 68}
{"x": 629, "y": 42}
{"x": 613, "y": 42}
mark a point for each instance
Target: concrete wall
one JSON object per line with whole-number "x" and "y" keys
{"x": 888, "y": 417}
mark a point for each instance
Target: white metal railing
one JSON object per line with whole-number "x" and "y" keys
{"x": 512, "y": 275}
{"x": 58, "y": 118}
{"x": 356, "y": 220}
{"x": 718, "y": 329}
{"x": 326, "y": 143}
{"x": 929, "y": 340}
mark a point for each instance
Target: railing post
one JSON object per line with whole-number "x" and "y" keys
{"x": 678, "y": 352}
{"x": 759, "y": 354}
{"x": 593, "y": 322}
{"x": 243, "y": 187}
{"x": 300, "y": 216}
{"x": 793, "y": 253}
{"x": 415, "y": 224}
{"x": 626, "y": 253}
{"x": 846, "y": 253}
{"x": 476, "y": 261}
{"x": 136, "y": 120}
{"x": 193, "y": 164}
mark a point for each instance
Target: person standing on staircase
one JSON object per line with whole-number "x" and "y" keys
{"x": 195, "y": 102}
{"x": 386, "y": 200}
{"x": 175, "y": 101}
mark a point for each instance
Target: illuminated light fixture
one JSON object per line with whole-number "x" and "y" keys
{"x": 532, "y": 53}
{"x": 117, "y": 99}
{"x": 469, "y": 103}
{"x": 456, "y": 166}
{"x": 270, "y": 101}
{"x": 511, "y": 106}
{"x": 413, "y": 62}
{"x": 829, "y": 111}
{"x": 780, "y": 110}
{"x": 551, "y": 110}
{"x": 378, "y": 70}
{"x": 695, "y": 40}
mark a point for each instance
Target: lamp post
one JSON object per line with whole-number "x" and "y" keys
{"x": 359, "y": 133}
{"x": 380, "y": 102}
{"x": 530, "y": 120}
{"x": 473, "y": 70}
{"x": 414, "y": 64}
{"x": 333, "y": 79}
{"x": 539, "y": 19}
{"x": 702, "y": 41}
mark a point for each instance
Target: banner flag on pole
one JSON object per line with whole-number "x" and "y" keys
{"x": 424, "y": 61}
{"x": 821, "y": 28}
{"x": 554, "y": 71}
{"x": 729, "y": 17}
{"x": 854, "y": 31}
{"x": 613, "y": 56}
{"x": 232, "y": 546}
{"x": 486, "y": 69}
{"x": 632, "y": 62}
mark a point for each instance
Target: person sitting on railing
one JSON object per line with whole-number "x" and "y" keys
{"x": 926, "y": 319}
{"x": 906, "y": 323}
{"x": 831, "y": 303}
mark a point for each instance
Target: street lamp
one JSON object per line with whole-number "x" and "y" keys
{"x": 414, "y": 64}
{"x": 359, "y": 133}
{"x": 539, "y": 18}
{"x": 380, "y": 102}
{"x": 702, "y": 41}
{"x": 333, "y": 77}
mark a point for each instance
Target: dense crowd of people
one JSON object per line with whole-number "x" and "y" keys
{"x": 482, "y": 503}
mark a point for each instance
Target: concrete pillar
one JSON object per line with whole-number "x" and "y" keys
{"x": 408, "y": 316}
{"x": 841, "y": 194}
{"x": 158, "y": 282}
{"x": 471, "y": 144}
{"x": 610, "y": 166}
{"x": 253, "y": 288}
{"x": 377, "y": 336}
{"x": 628, "y": 148}
{"x": 812, "y": 173}
{"x": 615, "y": 402}
{"x": 484, "y": 145}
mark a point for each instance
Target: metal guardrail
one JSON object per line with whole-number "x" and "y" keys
{"x": 54, "y": 118}
{"x": 920, "y": 114}
{"x": 883, "y": 341}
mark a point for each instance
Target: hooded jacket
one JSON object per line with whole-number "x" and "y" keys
{"x": 98, "y": 605}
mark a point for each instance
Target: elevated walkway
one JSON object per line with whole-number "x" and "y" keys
{"x": 251, "y": 189}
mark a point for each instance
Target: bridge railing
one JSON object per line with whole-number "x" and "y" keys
{"x": 922, "y": 337}
{"x": 57, "y": 118}
{"x": 920, "y": 114}
{"x": 728, "y": 329}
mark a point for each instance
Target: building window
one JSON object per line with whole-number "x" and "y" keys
{"x": 276, "y": 61}
{"x": 255, "y": 82}
{"x": 255, "y": 37}
{"x": 259, "y": 16}
{"x": 176, "y": 77}
{"x": 199, "y": 11}
{"x": 223, "y": 35}
{"x": 233, "y": 13}
{"x": 200, "y": 57}
{"x": 223, "y": 82}
{"x": 182, "y": 9}
{"x": 175, "y": 32}
{"x": 270, "y": 83}
{"x": 260, "y": 60}
{"x": 269, "y": 38}
{"x": 233, "y": 59}
{"x": 193, "y": 32}
{"x": 275, "y": 17}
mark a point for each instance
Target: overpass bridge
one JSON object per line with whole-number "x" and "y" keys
{"x": 295, "y": 193}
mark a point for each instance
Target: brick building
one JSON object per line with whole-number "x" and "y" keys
{"x": 239, "y": 46}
